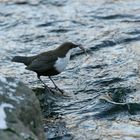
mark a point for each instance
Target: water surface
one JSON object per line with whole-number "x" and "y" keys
{"x": 109, "y": 30}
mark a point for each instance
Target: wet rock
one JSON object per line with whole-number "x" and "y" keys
{"x": 54, "y": 127}
{"x": 20, "y": 115}
{"x": 48, "y": 100}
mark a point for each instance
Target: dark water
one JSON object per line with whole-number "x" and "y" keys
{"x": 109, "y": 30}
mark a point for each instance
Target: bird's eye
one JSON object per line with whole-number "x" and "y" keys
{"x": 76, "y": 45}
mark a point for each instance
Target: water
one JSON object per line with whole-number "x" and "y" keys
{"x": 110, "y": 31}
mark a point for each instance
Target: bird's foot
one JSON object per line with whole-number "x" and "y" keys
{"x": 60, "y": 90}
{"x": 49, "y": 89}
{"x": 52, "y": 90}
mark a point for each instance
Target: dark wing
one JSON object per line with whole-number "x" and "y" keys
{"x": 43, "y": 62}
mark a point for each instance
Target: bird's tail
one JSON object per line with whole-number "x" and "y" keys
{"x": 21, "y": 59}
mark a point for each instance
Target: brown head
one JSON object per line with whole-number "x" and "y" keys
{"x": 65, "y": 47}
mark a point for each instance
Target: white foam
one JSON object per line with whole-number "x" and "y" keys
{"x": 3, "y": 124}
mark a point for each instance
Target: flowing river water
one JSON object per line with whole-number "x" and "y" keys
{"x": 110, "y": 31}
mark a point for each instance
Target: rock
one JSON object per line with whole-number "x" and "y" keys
{"x": 20, "y": 115}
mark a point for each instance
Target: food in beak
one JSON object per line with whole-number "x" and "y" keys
{"x": 83, "y": 49}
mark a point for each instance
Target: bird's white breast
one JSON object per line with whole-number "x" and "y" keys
{"x": 61, "y": 63}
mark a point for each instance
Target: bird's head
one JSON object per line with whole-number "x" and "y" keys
{"x": 70, "y": 45}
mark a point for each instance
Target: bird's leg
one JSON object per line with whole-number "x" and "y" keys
{"x": 56, "y": 85}
{"x": 44, "y": 84}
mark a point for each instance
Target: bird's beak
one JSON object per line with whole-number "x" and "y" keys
{"x": 83, "y": 49}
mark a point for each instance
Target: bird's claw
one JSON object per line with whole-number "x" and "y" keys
{"x": 60, "y": 90}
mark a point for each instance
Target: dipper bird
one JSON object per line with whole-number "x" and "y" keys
{"x": 49, "y": 63}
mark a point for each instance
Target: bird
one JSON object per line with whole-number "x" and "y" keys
{"x": 49, "y": 63}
